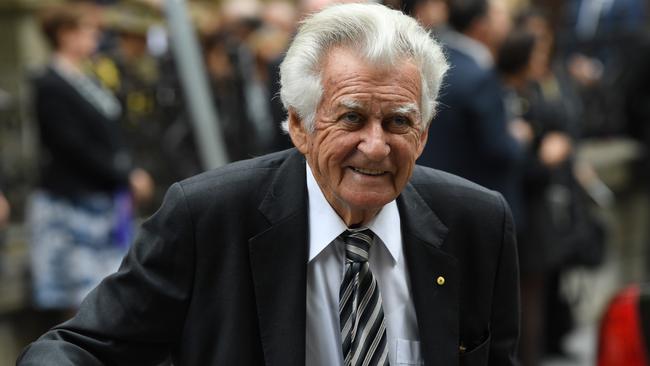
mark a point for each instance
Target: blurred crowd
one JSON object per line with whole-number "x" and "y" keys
{"x": 529, "y": 81}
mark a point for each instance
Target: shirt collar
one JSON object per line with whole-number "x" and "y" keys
{"x": 471, "y": 47}
{"x": 325, "y": 224}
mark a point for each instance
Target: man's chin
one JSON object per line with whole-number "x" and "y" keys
{"x": 364, "y": 201}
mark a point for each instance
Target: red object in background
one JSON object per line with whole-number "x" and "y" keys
{"x": 621, "y": 341}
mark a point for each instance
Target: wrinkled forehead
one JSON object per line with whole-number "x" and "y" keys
{"x": 341, "y": 62}
{"x": 348, "y": 76}
{"x": 385, "y": 61}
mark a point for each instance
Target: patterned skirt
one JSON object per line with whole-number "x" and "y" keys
{"x": 74, "y": 244}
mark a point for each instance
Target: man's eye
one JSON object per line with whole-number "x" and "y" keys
{"x": 352, "y": 117}
{"x": 401, "y": 121}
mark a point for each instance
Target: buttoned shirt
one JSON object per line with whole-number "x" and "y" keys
{"x": 325, "y": 269}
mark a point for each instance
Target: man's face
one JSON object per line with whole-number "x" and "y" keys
{"x": 368, "y": 133}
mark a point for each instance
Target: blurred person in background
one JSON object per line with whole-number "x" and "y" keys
{"x": 431, "y": 14}
{"x": 281, "y": 18}
{"x": 555, "y": 232}
{"x": 80, "y": 215}
{"x": 598, "y": 40}
{"x": 242, "y": 23}
{"x": 470, "y": 136}
{"x": 132, "y": 74}
{"x": 236, "y": 44}
{"x": 229, "y": 96}
{"x": 514, "y": 67}
{"x": 637, "y": 108}
{"x": 267, "y": 43}
{"x": 5, "y": 211}
{"x": 279, "y": 21}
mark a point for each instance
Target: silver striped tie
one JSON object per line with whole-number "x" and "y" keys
{"x": 363, "y": 329}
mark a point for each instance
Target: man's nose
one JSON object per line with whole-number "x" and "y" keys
{"x": 374, "y": 143}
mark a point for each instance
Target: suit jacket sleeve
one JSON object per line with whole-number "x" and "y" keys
{"x": 505, "y": 309}
{"x": 134, "y": 315}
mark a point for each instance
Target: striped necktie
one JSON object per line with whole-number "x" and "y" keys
{"x": 363, "y": 329}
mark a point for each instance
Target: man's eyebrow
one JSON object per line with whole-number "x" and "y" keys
{"x": 410, "y": 108}
{"x": 351, "y": 104}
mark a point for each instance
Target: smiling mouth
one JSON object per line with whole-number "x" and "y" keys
{"x": 371, "y": 172}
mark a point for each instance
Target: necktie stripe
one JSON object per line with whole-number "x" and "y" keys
{"x": 345, "y": 295}
{"x": 346, "y": 332}
{"x": 363, "y": 316}
{"x": 359, "y": 252}
{"x": 382, "y": 357}
{"x": 375, "y": 344}
{"x": 363, "y": 328}
{"x": 366, "y": 299}
{"x": 365, "y": 281}
{"x": 366, "y": 329}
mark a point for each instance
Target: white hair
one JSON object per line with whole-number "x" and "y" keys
{"x": 381, "y": 35}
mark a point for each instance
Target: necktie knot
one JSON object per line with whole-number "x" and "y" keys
{"x": 357, "y": 244}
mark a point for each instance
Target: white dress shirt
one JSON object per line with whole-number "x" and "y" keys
{"x": 325, "y": 269}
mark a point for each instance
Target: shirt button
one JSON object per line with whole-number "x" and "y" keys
{"x": 440, "y": 280}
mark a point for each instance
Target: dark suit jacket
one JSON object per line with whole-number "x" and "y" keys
{"x": 469, "y": 136}
{"x": 218, "y": 275}
{"x": 83, "y": 150}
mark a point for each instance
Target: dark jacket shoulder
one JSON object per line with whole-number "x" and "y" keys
{"x": 452, "y": 197}
{"x": 245, "y": 176}
{"x": 241, "y": 186}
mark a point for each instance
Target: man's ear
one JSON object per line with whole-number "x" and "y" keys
{"x": 424, "y": 136}
{"x": 297, "y": 132}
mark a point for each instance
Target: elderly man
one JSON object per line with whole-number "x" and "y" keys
{"x": 338, "y": 252}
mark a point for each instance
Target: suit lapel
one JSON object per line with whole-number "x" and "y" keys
{"x": 434, "y": 279}
{"x": 279, "y": 265}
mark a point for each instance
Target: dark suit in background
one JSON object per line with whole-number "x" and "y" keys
{"x": 218, "y": 275}
{"x": 82, "y": 149}
{"x": 469, "y": 135}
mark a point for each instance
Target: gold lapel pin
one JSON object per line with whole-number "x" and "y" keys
{"x": 440, "y": 280}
